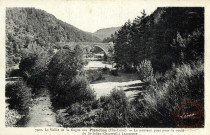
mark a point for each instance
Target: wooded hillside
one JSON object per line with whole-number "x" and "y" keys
{"x": 166, "y": 37}
{"x": 28, "y": 25}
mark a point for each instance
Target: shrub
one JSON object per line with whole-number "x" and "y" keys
{"x": 19, "y": 96}
{"x": 80, "y": 108}
{"x": 37, "y": 81}
{"x": 114, "y": 72}
{"x": 67, "y": 79}
{"x": 77, "y": 90}
{"x": 80, "y": 114}
{"x": 11, "y": 118}
{"x": 95, "y": 104}
{"x": 15, "y": 72}
{"x": 83, "y": 120}
{"x": 115, "y": 111}
{"x": 94, "y": 75}
{"x": 182, "y": 82}
{"x": 145, "y": 71}
{"x": 76, "y": 109}
{"x": 105, "y": 70}
{"x": 33, "y": 65}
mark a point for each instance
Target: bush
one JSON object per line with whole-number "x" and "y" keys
{"x": 114, "y": 72}
{"x": 105, "y": 70}
{"x": 77, "y": 90}
{"x": 116, "y": 111}
{"x": 94, "y": 75}
{"x": 84, "y": 120}
{"x": 33, "y": 65}
{"x": 76, "y": 109}
{"x": 67, "y": 79}
{"x": 19, "y": 96}
{"x": 182, "y": 82}
{"x": 11, "y": 118}
{"x": 37, "y": 81}
{"x": 95, "y": 104}
{"x": 83, "y": 107}
{"x": 14, "y": 72}
{"x": 162, "y": 63}
{"x": 145, "y": 71}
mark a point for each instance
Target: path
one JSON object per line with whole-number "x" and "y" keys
{"x": 41, "y": 114}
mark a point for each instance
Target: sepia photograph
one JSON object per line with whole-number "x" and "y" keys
{"x": 105, "y": 66}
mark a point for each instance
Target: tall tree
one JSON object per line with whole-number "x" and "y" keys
{"x": 67, "y": 80}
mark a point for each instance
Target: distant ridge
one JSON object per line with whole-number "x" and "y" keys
{"x": 105, "y": 32}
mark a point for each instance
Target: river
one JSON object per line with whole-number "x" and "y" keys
{"x": 123, "y": 81}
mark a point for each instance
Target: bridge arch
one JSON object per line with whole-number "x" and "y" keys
{"x": 108, "y": 48}
{"x": 104, "y": 50}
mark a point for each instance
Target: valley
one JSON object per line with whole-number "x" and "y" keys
{"x": 130, "y": 76}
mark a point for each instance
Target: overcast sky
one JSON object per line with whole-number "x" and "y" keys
{"x": 91, "y": 16}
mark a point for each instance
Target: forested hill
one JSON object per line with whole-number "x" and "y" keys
{"x": 106, "y": 32}
{"x": 42, "y": 25}
{"x": 29, "y": 25}
{"x": 168, "y": 36}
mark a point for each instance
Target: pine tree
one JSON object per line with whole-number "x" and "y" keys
{"x": 122, "y": 46}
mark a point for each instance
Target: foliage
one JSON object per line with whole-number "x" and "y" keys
{"x": 122, "y": 47}
{"x": 105, "y": 70}
{"x": 114, "y": 72}
{"x": 83, "y": 120}
{"x": 115, "y": 111}
{"x": 190, "y": 48}
{"x": 167, "y": 36}
{"x": 94, "y": 75}
{"x": 173, "y": 40}
{"x": 145, "y": 71}
{"x": 19, "y": 96}
{"x": 28, "y": 25}
{"x": 162, "y": 94}
{"x": 183, "y": 82}
{"x": 80, "y": 114}
{"x": 11, "y": 118}
{"x": 67, "y": 79}
{"x": 33, "y": 65}
{"x": 76, "y": 109}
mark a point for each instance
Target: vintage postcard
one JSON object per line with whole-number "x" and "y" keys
{"x": 104, "y": 67}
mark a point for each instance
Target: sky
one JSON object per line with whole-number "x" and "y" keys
{"x": 91, "y": 16}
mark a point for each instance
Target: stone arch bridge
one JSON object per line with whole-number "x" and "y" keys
{"x": 108, "y": 48}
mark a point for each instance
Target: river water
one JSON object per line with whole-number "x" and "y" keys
{"x": 93, "y": 64}
{"x": 110, "y": 82}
